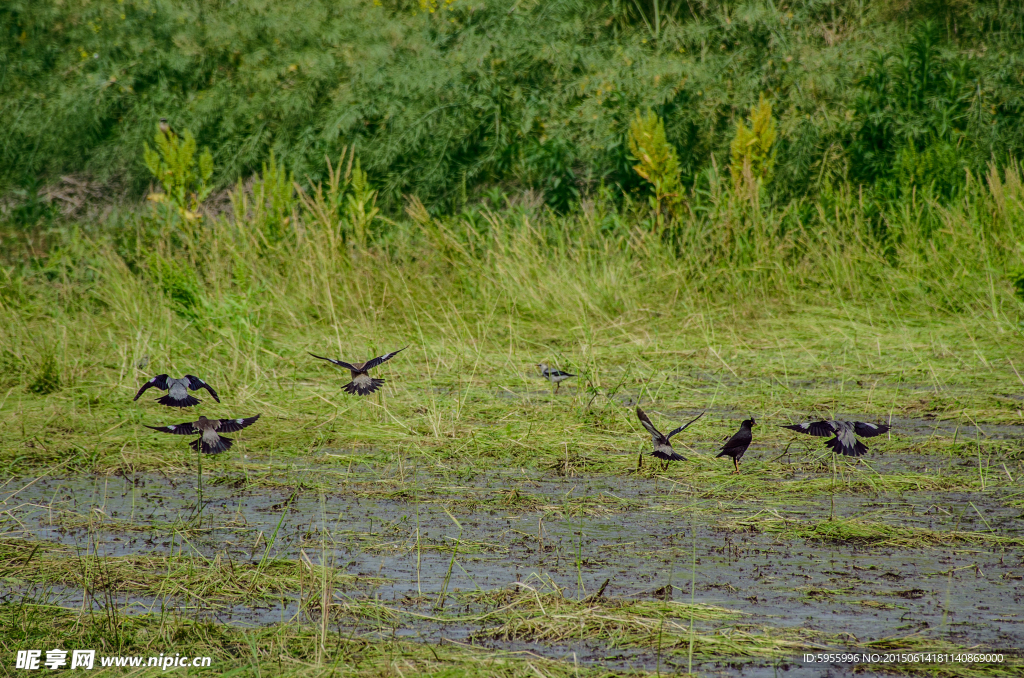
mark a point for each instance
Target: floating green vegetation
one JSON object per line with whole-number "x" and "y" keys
{"x": 863, "y": 532}
{"x": 193, "y": 578}
{"x": 286, "y": 649}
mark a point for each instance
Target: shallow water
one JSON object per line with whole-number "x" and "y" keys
{"x": 640, "y": 534}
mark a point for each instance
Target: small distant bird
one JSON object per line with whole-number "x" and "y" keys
{"x": 556, "y": 377}
{"x": 845, "y": 434}
{"x": 362, "y": 383}
{"x": 143, "y": 362}
{"x": 662, "y": 447}
{"x": 738, "y": 444}
{"x": 211, "y": 441}
{"x": 167, "y": 130}
{"x": 177, "y": 390}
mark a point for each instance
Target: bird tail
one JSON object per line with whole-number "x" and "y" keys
{"x": 188, "y": 401}
{"x": 222, "y": 445}
{"x": 858, "y": 449}
{"x": 357, "y": 389}
{"x": 723, "y": 453}
{"x": 668, "y": 456}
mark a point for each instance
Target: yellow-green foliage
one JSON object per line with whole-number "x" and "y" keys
{"x": 423, "y": 5}
{"x": 753, "y": 148}
{"x": 658, "y": 162}
{"x": 274, "y": 201}
{"x": 362, "y": 205}
{"x": 185, "y": 181}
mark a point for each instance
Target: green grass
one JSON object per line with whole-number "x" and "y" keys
{"x": 280, "y": 650}
{"x": 785, "y": 326}
{"x": 293, "y": 649}
{"x": 869, "y": 533}
{"x": 189, "y": 579}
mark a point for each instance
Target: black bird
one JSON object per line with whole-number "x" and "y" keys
{"x": 362, "y": 383}
{"x": 167, "y": 130}
{"x": 738, "y": 444}
{"x": 211, "y": 441}
{"x": 662, "y": 447}
{"x": 177, "y": 390}
{"x": 556, "y": 377}
{"x": 844, "y": 434}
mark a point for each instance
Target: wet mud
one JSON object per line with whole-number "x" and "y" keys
{"x": 426, "y": 548}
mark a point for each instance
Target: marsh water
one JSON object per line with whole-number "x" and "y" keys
{"x": 649, "y": 536}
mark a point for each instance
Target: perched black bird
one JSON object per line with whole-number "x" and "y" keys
{"x": 556, "y": 377}
{"x": 211, "y": 441}
{"x": 177, "y": 390}
{"x": 662, "y": 447}
{"x": 362, "y": 383}
{"x": 738, "y": 444}
{"x": 167, "y": 130}
{"x": 844, "y": 434}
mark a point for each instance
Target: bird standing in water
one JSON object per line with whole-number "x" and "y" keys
{"x": 177, "y": 390}
{"x": 362, "y": 383}
{"x": 556, "y": 377}
{"x": 738, "y": 444}
{"x": 210, "y": 441}
{"x": 662, "y": 447}
{"x": 844, "y": 440}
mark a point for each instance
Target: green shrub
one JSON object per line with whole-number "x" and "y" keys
{"x": 514, "y": 95}
{"x": 180, "y": 284}
{"x": 185, "y": 179}
{"x": 753, "y": 148}
{"x": 657, "y": 161}
{"x": 46, "y": 378}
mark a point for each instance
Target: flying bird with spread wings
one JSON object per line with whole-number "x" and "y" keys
{"x": 210, "y": 441}
{"x": 362, "y": 383}
{"x": 662, "y": 445}
{"x": 844, "y": 434}
{"x": 177, "y": 390}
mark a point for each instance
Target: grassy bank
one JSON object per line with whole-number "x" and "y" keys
{"x": 737, "y": 306}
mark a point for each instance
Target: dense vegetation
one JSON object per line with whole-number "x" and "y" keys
{"x": 779, "y": 150}
{"x": 765, "y": 208}
{"x": 894, "y": 96}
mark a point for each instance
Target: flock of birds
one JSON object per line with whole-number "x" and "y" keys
{"x": 843, "y": 434}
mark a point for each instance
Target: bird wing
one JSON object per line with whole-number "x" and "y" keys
{"x": 684, "y": 426}
{"x": 340, "y": 363}
{"x": 370, "y": 364}
{"x": 186, "y": 429}
{"x": 229, "y": 425}
{"x": 814, "y": 428}
{"x": 159, "y": 381}
{"x": 869, "y": 430}
{"x": 557, "y": 373}
{"x": 646, "y": 421}
{"x": 195, "y": 383}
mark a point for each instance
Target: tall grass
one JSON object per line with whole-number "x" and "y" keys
{"x": 234, "y": 280}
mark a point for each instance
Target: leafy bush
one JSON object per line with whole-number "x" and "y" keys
{"x": 753, "y": 148}
{"x": 186, "y": 181}
{"x": 517, "y": 95}
{"x": 913, "y": 112}
{"x": 180, "y": 284}
{"x": 658, "y": 163}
